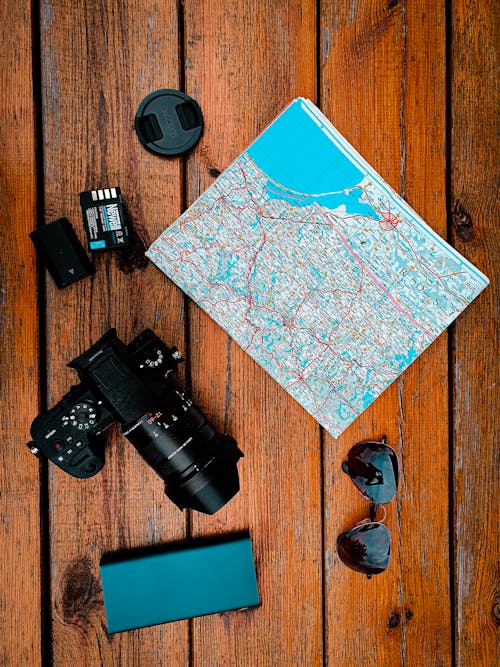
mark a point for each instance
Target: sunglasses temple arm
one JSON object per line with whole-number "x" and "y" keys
{"x": 373, "y": 510}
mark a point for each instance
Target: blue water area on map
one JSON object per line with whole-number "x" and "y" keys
{"x": 299, "y": 157}
{"x": 402, "y": 360}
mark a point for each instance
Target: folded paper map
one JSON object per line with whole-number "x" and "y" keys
{"x": 316, "y": 267}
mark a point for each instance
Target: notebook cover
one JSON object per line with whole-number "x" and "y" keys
{"x": 179, "y": 584}
{"x": 316, "y": 267}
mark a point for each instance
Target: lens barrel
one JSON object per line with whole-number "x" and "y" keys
{"x": 197, "y": 464}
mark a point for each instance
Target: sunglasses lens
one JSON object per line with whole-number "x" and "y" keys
{"x": 366, "y": 548}
{"x": 373, "y": 468}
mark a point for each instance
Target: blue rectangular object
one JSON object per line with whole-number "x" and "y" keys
{"x": 179, "y": 584}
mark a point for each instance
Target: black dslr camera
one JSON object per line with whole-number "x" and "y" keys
{"x": 129, "y": 383}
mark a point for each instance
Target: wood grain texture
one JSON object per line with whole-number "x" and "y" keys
{"x": 474, "y": 217}
{"x": 99, "y": 61}
{"x": 20, "y": 581}
{"x": 244, "y": 62}
{"x": 383, "y": 86}
{"x": 381, "y": 76}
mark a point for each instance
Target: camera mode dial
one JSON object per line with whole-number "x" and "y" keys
{"x": 82, "y": 416}
{"x": 155, "y": 360}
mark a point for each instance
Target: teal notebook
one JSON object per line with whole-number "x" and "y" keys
{"x": 178, "y": 584}
{"x": 316, "y": 267}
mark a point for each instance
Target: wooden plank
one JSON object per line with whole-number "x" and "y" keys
{"x": 474, "y": 220}
{"x": 99, "y": 61}
{"x": 244, "y": 62}
{"x": 383, "y": 86}
{"x": 20, "y": 581}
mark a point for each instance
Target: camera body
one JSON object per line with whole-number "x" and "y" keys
{"x": 130, "y": 384}
{"x": 68, "y": 433}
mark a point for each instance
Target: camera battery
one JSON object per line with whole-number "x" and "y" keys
{"x": 103, "y": 219}
{"x": 61, "y": 252}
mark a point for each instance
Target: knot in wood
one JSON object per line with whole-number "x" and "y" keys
{"x": 81, "y": 590}
{"x": 495, "y": 610}
{"x": 461, "y": 221}
{"x": 394, "y": 619}
{"x": 132, "y": 257}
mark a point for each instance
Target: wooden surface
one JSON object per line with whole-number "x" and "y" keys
{"x": 412, "y": 85}
{"x": 105, "y": 59}
{"x": 475, "y": 232}
{"x": 282, "y": 465}
{"x": 388, "y": 61}
{"x": 21, "y": 568}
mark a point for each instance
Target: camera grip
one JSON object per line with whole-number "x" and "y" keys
{"x": 67, "y": 434}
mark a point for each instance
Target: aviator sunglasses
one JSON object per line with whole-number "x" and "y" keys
{"x": 373, "y": 467}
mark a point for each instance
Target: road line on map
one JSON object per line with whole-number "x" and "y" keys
{"x": 376, "y": 281}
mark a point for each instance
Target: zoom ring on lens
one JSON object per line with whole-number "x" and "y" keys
{"x": 171, "y": 446}
{"x": 197, "y": 465}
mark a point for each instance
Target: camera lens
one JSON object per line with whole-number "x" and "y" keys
{"x": 197, "y": 464}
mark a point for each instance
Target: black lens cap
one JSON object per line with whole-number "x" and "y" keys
{"x": 168, "y": 122}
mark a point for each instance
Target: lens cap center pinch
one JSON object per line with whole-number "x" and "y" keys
{"x": 168, "y": 122}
